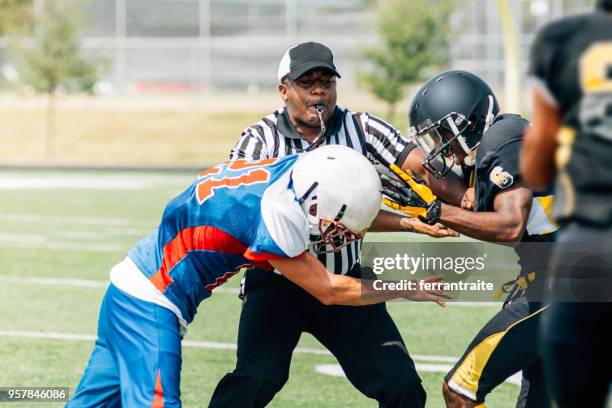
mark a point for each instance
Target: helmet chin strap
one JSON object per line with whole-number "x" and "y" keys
{"x": 490, "y": 117}
{"x": 470, "y": 159}
{"x": 306, "y": 201}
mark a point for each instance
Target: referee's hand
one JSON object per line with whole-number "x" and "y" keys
{"x": 427, "y": 291}
{"x": 436, "y": 230}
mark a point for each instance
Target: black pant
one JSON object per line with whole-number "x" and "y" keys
{"x": 507, "y": 344}
{"x": 365, "y": 341}
{"x": 575, "y": 336}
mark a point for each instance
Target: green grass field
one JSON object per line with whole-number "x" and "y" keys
{"x": 67, "y": 226}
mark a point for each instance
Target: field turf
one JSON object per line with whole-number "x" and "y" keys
{"x": 61, "y": 232}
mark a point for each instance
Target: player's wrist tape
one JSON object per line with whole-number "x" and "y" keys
{"x": 433, "y": 212}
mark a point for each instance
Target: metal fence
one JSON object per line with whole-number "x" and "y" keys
{"x": 195, "y": 45}
{"x": 198, "y": 45}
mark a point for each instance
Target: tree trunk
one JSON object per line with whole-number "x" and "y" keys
{"x": 391, "y": 112}
{"x": 50, "y": 129}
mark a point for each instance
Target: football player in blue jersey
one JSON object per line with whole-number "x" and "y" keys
{"x": 236, "y": 215}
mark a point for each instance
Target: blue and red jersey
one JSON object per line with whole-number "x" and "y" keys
{"x": 237, "y": 214}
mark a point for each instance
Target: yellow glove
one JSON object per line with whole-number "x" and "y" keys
{"x": 405, "y": 193}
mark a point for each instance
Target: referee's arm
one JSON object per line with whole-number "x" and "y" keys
{"x": 250, "y": 146}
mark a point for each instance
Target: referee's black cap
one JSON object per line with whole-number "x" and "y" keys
{"x": 303, "y": 57}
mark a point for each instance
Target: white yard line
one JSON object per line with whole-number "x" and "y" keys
{"x": 72, "y": 220}
{"x": 328, "y": 369}
{"x": 87, "y": 283}
{"x": 85, "y": 247}
{"x": 42, "y": 241}
{"x": 83, "y": 283}
{"x": 80, "y": 235}
{"x": 335, "y": 370}
{"x": 32, "y": 280}
{"x": 434, "y": 359}
{"x": 95, "y": 182}
{"x": 46, "y": 335}
{"x": 186, "y": 343}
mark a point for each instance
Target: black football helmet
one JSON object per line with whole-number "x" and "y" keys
{"x": 454, "y": 106}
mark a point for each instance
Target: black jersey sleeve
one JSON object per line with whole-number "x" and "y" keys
{"x": 497, "y": 160}
{"x": 502, "y": 170}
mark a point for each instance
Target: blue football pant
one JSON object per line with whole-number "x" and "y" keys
{"x": 136, "y": 361}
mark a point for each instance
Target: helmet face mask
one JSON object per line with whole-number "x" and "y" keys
{"x": 441, "y": 141}
{"x": 336, "y": 235}
{"x": 329, "y": 232}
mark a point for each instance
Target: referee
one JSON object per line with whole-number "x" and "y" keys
{"x": 275, "y": 312}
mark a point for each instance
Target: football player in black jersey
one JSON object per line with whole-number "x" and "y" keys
{"x": 456, "y": 122}
{"x": 571, "y": 64}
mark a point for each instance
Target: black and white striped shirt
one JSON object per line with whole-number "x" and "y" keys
{"x": 275, "y": 136}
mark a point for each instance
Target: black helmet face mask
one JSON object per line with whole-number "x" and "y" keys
{"x": 435, "y": 141}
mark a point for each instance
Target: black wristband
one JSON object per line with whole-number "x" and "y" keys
{"x": 433, "y": 212}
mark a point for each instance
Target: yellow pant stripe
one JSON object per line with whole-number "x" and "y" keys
{"x": 468, "y": 373}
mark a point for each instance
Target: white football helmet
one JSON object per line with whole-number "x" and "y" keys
{"x": 340, "y": 193}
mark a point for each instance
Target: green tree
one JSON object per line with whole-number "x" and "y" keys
{"x": 15, "y": 15}
{"x": 413, "y": 42}
{"x": 52, "y": 59}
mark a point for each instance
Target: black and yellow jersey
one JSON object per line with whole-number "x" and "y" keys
{"x": 571, "y": 63}
{"x": 497, "y": 169}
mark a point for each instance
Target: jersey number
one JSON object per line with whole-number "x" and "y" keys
{"x": 596, "y": 81}
{"x": 212, "y": 180}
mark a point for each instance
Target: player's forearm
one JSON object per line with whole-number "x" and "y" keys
{"x": 485, "y": 226}
{"x": 387, "y": 221}
{"x": 451, "y": 189}
{"x": 330, "y": 289}
{"x": 540, "y": 144}
{"x": 537, "y": 159}
{"x": 349, "y": 291}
